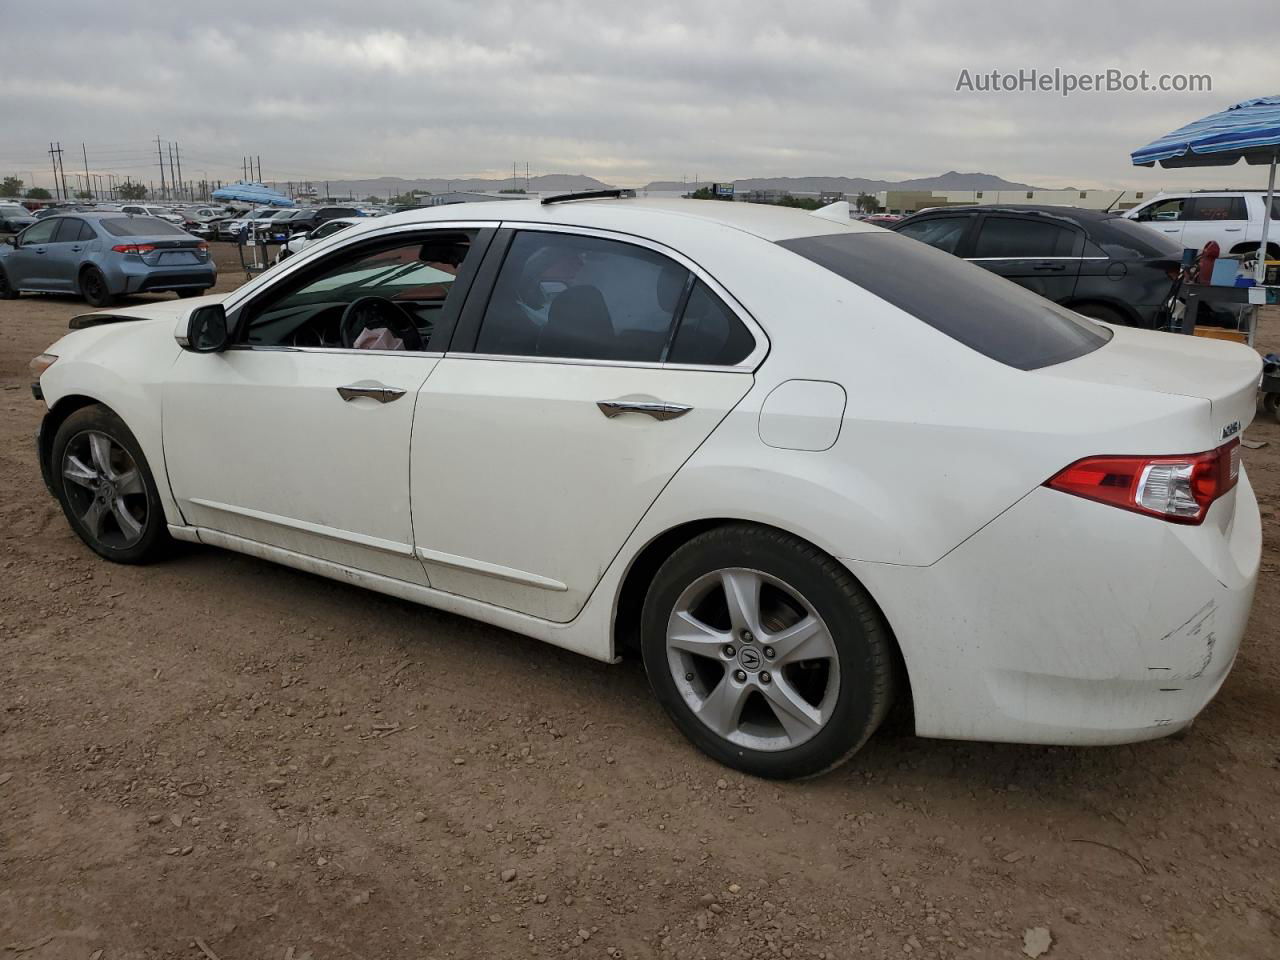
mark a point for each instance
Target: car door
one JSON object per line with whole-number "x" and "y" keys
{"x": 1164, "y": 216}
{"x": 570, "y": 396}
{"x": 1224, "y": 219}
{"x": 66, "y": 253}
{"x": 1036, "y": 252}
{"x": 298, "y": 436}
{"x": 30, "y": 266}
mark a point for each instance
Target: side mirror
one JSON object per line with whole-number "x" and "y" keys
{"x": 206, "y": 330}
{"x": 11, "y": 241}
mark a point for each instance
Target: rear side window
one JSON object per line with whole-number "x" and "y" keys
{"x": 1017, "y": 238}
{"x": 560, "y": 295}
{"x": 68, "y": 230}
{"x": 985, "y": 312}
{"x": 710, "y": 334}
{"x": 141, "y": 227}
{"x": 941, "y": 232}
{"x": 1215, "y": 208}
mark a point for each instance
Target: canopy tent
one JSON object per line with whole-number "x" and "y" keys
{"x": 1248, "y": 131}
{"x": 259, "y": 194}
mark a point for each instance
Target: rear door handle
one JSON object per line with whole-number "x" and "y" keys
{"x": 650, "y": 408}
{"x": 371, "y": 390}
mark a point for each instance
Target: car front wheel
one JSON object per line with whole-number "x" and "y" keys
{"x": 7, "y": 290}
{"x": 765, "y": 652}
{"x": 105, "y": 487}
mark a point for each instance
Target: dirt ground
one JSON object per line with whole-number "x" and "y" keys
{"x": 217, "y": 757}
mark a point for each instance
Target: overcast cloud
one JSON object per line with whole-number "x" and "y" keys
{"x": 624, "y": 92}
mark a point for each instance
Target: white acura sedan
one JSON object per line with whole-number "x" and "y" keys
{"x": 801, "y": 466}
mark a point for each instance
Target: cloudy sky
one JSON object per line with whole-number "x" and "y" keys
{"x": 624, "y": 92}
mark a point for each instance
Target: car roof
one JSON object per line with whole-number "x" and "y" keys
{"x": 1042, "y": 209}
{"x": 767, "y": 221}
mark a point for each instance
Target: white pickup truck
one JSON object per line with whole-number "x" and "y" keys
{"x": 1232, "y": 217}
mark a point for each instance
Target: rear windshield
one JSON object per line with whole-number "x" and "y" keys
{"x": 1125, "y": 240}
{"x": 983, "y": 311}
{"x": 141, "y": 227}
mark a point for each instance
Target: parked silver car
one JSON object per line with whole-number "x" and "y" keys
{"x": 102, "y": 256}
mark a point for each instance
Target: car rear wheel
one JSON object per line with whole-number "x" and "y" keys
{"x": 765, "y": 652}
{"x": 106, "y": 488}
{"x": 94, "y": 289}
{"x": 7, "y": 292}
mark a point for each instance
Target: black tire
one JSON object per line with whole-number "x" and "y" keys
{"x": 1098, "y": 311}
{"x": 7, "y": 292}
{"x": 861, "y": 639}
{"x": 94, "y": 289}
{"x": 138, "y": 498}
{"x": 1271, "y": 404}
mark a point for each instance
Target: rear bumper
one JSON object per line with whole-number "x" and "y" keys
{"x": 1068, "y": 622}
{"x": 139, "y": 277}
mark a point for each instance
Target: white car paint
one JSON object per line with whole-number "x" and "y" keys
{"x": 495, "y": 489}
{"x": 300, "y": 242}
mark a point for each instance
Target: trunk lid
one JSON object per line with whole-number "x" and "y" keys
{"x": 1223, "y": 373}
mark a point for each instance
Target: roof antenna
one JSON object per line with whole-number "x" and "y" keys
{"x": 1115, "y": 201}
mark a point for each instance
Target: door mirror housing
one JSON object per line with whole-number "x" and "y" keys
{"x": 206, "y": 330}
{"x": 12, "y": 241}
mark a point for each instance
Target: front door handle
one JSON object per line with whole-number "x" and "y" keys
{"x": 370, "y": 389}
{"x": 650, "y": 408}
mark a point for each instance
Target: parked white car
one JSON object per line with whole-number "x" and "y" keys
{"x": 803, "y": 467}
{"x": 148, "y": 210}
{"x": 1232, "y": 218}
{"x": 300, "y": 241}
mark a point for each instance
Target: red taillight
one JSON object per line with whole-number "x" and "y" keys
{"x": 1179, "y": 489}
{"x": 138, "y": 248}
{"x": 202, "y": 247}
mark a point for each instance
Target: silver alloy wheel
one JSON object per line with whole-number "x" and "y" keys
{"x": 104, "y": 488}
{"x": 752, "y": 659}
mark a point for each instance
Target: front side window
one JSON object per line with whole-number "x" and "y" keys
{"x": 387, "y": 296}
{"x": 328, "y": 229}
{"x": 941, "y": 232}
{"x": 41, "y": 232}
{"x": 1216, "y": 208}
{"x": 1015, "y": 238}
{"x": 1162, "y": 210}
{"x": 575, "y": 297}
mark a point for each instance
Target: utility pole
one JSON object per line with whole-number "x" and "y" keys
{"x": 62, "y": 168}
{"x": 54, "y": 161}
{"x": 88, "y": 186}
{"x": 160, "y": 154}
{"x": 173, "y": 181}
{"x": 259, "y": 168}
{"x": 177, "y": 154}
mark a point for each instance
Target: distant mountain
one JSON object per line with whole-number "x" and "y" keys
{"x": 381, "y": 186}
{"x": 951, "y": 180}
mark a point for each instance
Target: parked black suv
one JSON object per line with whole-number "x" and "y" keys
{"x": 308, "y": 219}
{"x": 1098, "y": 264}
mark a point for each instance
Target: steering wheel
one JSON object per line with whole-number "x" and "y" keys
{"x": 366, "y": 312}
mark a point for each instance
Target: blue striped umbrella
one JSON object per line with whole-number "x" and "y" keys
{"x": 1248, "y": 131}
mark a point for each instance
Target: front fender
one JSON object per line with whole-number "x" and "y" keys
{"x": 122, "y": 366}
